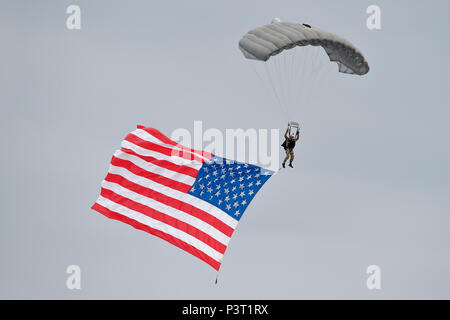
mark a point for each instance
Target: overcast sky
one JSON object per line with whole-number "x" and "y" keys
{"x": 371, "y": 181}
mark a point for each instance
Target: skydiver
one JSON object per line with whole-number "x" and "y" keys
{"x": 289, "y": 145}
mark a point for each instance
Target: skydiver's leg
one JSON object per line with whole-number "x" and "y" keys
{"x": 287, "y": 156}
{"x": 292, "y": 157}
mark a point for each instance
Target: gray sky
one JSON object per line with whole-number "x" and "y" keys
{"x": 371, "y": 181}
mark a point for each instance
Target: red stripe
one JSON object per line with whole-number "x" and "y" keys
{"x": 175, "y": 203}
{"x": 175, "y": 241}
{"x": 164, "y": 164}
{"x": 169, "y": 220}
{"x": 171, "y": 152}
{"x": 158, "y": 135}
{"x": 130, "y": 166}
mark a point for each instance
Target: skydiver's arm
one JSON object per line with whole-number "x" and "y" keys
{"x": 285, "y": 134}
{"x": 297, "y": 136}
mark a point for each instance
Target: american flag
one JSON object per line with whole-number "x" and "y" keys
{"x": 190, "y": 198}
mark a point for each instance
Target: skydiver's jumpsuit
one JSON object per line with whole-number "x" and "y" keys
{"x": 289, "y": 145}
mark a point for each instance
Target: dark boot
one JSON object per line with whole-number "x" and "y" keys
{"x": 290, "y": 164}
{"x": 284, "y": 165}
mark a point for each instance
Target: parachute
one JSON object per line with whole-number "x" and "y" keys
{"x": 274, "y": 45}
{"x": 269, "y": 40}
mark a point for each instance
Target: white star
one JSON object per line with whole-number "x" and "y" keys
{"x": 237, "y": 213}
{"x": 227, "y": 198}
{"x": 236, "y": 205}
{"x": 258, "y": 182}
{"x": 242, "y": 194}
{"x": 244, "y": 202}
{"x": 228, "y": 207}
{"x": 250, "y": 192}
{"x": 209, "y": 189}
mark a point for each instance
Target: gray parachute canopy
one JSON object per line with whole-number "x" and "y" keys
{"x": 269, "y": 40}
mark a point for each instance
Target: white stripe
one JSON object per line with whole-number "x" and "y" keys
{"x": 175, "y": 152}
{"x": 158, "y": 225}
{"x": 185, "y": 197}
{"x": 144, "y": 135}
{"x": 170, "y": 211}
{"x": 160, "y": 156}
{"x": 150, "y": 167}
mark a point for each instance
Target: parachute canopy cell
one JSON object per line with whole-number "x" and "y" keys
{"x": 269, "y": 40}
